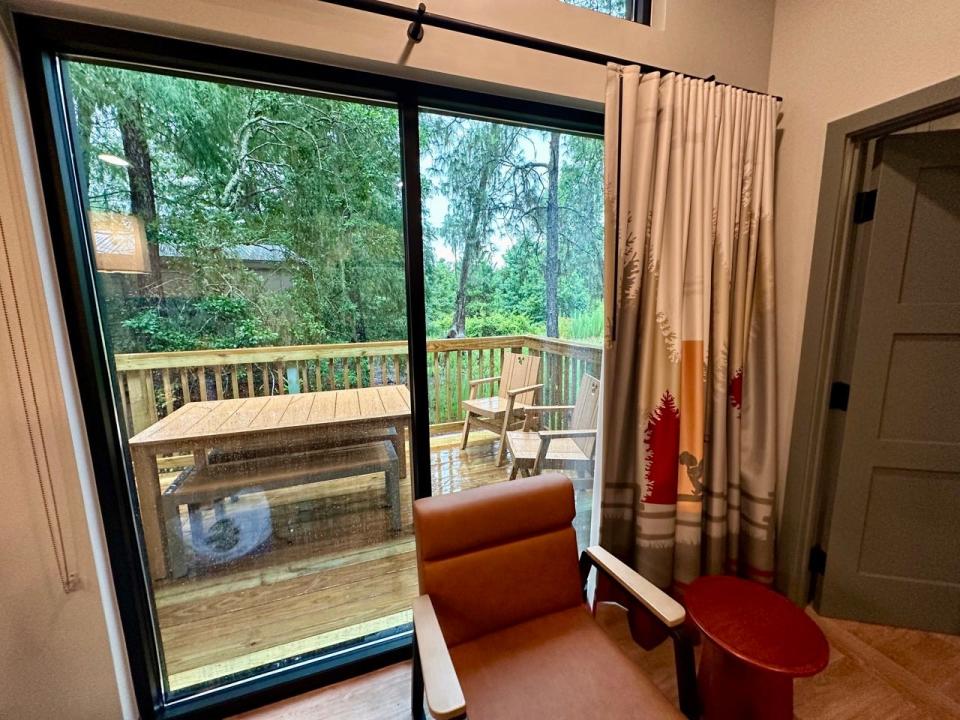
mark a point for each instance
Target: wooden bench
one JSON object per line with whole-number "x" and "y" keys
{"x": 259, "y": 449}
{"x": 256, "y": 448}
{"x": 214, "y": 482}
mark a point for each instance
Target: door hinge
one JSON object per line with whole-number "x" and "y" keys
{"x": 818, "y": 560}
{"x": 839, "y": 396}
{"x": 864, "y": 206}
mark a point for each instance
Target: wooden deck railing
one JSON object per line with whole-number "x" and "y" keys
{"x": 155, "y": 384}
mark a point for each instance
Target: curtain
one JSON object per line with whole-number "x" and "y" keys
{"x": 689, "y": 458}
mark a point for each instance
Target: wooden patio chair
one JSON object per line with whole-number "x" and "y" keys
{"x": 518, "y": 388}
{"x": 535, "y": 450}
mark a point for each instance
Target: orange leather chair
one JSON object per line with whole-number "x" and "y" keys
{"x": 501, "y": 628}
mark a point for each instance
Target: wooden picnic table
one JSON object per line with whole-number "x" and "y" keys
{"x": 338, "y": 417}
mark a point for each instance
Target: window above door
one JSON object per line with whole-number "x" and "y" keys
{"x": 634, "y": 10}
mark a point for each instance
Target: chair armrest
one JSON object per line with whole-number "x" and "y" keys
{"x": 547, "y": 408}
{"x": 480, "y": 381}
{"x": 556, "y": 434}
{"x": 530, "y": 412}
{"x": 444, "y": 695}
{"x": 664, "y": 608}
{"x": 525, "y": 389}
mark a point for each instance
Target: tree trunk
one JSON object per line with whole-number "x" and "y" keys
{"x": 143, "y": 199}
{"x": 460, "y": 305}
{"x": 551, "y": 270}
{"x": 471, "y": 247}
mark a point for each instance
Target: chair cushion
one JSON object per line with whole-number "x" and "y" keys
{"x": 499, "y": 555}
{"x": 557, "y": 666}
{"x": 448, "y": 525}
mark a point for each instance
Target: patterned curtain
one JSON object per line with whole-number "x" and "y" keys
{"x": 690, "y": 455}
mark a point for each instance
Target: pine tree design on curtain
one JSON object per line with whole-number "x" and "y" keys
{"x": 689, "y": 459}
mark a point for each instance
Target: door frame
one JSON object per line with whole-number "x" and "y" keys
{"x": 42, "y": 41}
{"x": 843, "y": 174}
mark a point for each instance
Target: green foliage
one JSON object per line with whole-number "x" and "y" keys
{"x": 587, "y": 326}
{"x": 279, "y": 216}
{"x": 497, "y": 323}
{"x": 207, "y": 323}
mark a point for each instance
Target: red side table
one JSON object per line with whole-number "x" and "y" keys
{"x": 754, "y": 643}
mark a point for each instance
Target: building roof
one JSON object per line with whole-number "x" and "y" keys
{"x": 246, "y": 253}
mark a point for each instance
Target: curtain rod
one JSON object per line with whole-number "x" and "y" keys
{"x": 419, "y": 17}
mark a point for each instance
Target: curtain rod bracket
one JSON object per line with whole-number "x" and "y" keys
{"x": 415, "y": 29}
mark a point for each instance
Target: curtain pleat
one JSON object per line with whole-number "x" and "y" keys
{"x": 689, "y": 456}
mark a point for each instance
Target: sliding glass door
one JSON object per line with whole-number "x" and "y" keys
{"x": 249, "y": 256}
{"x": 284, "y": 286}
{"x": 513, "y": 261}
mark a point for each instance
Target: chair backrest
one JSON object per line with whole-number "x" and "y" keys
{"x": 498, "y": 555}
{"x": 585, "y": 412}
{"x": 517, "y": 371}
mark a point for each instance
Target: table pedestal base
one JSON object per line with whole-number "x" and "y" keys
{"x": 730, "y": 689}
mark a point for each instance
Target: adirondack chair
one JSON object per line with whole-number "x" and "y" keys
{"x": 535, "y": 450}
{"x": 518, "y": 388}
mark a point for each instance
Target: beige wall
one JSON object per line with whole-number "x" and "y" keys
{"x": 730, "y": 39}
{"x": 55, "y": 648}
{"x": 831, "y": 59}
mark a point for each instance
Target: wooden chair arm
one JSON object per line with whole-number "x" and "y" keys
{"x": 664, "y": 608}
{"x": 480, "y": 381}
{"x": 444, "y": 695}
{"x": 530, "y": 413}
{"x": 556, "y": 434}
{"x": 547, "y": 408}
{"x": 525, "y": 389}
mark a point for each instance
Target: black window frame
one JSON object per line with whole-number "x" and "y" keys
{"x": 43, "y": 42}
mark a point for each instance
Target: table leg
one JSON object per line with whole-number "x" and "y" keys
{"x": 730, "y": 689}
{"x": 392, "y": 482}
{"x": 147, "y": 479}
{"x": 403, "y": 432}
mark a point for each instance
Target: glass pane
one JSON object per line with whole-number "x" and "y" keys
{"x": 617, "y": 8}
{"x": 250, "y": 260}
{"x": 513, "y": 253}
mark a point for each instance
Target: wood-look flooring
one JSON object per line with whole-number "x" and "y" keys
{"x": 334, "y": 571}
{"x": 875, "y": 672}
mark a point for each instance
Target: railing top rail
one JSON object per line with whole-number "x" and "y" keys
{"x": 275, "y": 354}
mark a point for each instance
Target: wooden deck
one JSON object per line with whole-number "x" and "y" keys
{"x": 334, "y": 571}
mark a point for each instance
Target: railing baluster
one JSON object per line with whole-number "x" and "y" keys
{"x": 448, "y": 379}
{"x": 184, "y": 385}
{"x": 436, "y": 386}
{"x": 152, "y": 394}
{"x": 469, "y": 378}
{"x": 141, "y": 401}
{"x": 234, "y": 381}
{"x": 124, "y": 382}
{"x": 566, "y": 381}
{"x": 168, "y": 399}
{"x": 218, "y": 377}
{"x": 458, "y": 390}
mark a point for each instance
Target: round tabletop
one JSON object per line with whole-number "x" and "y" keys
{"x": 757, "y": 625}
